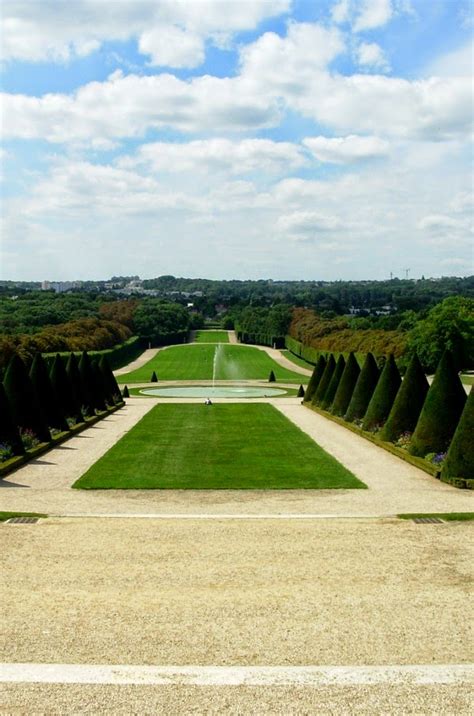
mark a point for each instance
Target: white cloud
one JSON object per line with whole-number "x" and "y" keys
{"x": 372, "y": 14}
{"x": 458, "y": 63}
{"x": 369, "y": 54}
{"x": 57, "y": 29}
{"x": 340, "y": 12}
{"x": 307, "y": 225}
{"x": 346, "y": 150}
{"x": 218, "y": 155}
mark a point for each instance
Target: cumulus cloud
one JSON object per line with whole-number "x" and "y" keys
{"x": 346, "y": 150}
{"x": 369, "y": 54}
{"x": 58, "y": 30}
{"x": 340, "y": 12}
{"x": 218, "y": 155}
{"x": 372, "y": 14}
{"x": 307, "y": 225}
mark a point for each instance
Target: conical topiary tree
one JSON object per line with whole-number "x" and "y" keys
{"x": 459, "y": 461}
{"x": 271, "y": 377}
{"x": 89, "y": 400}
{"x": 325, "y": 380}
{"x": 441, "y": 411}
{"x": 113, "y": 391}
{"x": 75, "y": 380}
{"x": 125, "y": 393}
{"x": 23, "y": 399}
{"x": 346, "y": 386}
{"x": 154, "y": 378}
{"x": 63, "y": 388}
{"x": 9, "y": 433}
{"x": 408, "y": 404}
{"x": 315, "y": 379}
{"x": 363, "y": 390}
{"x": 328, "y": 397}
{"x": 100, "y": 390}
{"x": 384, "y": 394}
{"x": 51, "y": 407}
{"x": 300, "y": 393}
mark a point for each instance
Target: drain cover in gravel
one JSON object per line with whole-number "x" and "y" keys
{"x": 22, "y": 520}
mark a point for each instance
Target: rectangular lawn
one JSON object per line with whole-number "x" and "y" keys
{"x": 221, "y": 446}
{"x": 211, "y": 337}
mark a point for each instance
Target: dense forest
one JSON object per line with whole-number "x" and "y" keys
{"x": 396, "y": 316}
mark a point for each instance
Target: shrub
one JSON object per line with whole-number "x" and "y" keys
{"x": 23, "y": 400}
{"x": 75, "y": 380}
{"x": 300, "y": 393}
{"x": 460, "y": 458}
{"x": 328, "y": 398}
{"x": 363, "y": 390}
{"x": 441, "y": 410}
{"x": 125, "y": 392}
{"x": 325, "y": 380}
{"x": 271, "y": 377}
{"x": 51, "y": 407}
{"x": 6, "y": 452}
{"x": 346, "y": 386}
{"x": 154, "y": 378}
{"x": 89, "y": 400}
{"x": 100, "y": 388}
{"x": 315, "y": 378}
{"x": 384, "y": 394}
{"x": 109, "y": 378}
{"x": 65, "y": 394}
{"x": 9, "y": 434}
{"x": 28, "y": 438}
{"x": 408, "y": 404}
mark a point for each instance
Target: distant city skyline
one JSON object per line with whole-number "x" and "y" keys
{"x": 224, "y": 139}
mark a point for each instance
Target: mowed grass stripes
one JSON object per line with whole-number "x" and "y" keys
{"x": 199, "y": 447}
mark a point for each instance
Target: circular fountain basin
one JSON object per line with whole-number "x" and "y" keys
{"x": 216, "y": 392}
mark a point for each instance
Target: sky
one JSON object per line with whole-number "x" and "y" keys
{"x": 245, "y": 139}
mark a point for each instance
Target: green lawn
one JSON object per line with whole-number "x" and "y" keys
{"x": 195, "y": 362}
{"x": 4, "y": 516}
{"x": 297, "y": 360}
{"x": 211, "y": 337}
{"x": 447, "y": 516}
{"x": 467, "y": 378}
{"x": 216, "y": 447}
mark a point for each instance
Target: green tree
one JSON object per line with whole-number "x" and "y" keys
{"x": 125, "y": 392}
{"x": 363, "y": 390}
{"x": 441, "y": 410}
{"x": 75, "y": 381}
{"x": 112, "y": 388}
{"x": 300, "y": 393}
{"x": 325, "y": 380}
{"x": 408, "y": 403}
{"x": 383, "y": 397}
{"x": 63, "y": 388}
{"x": 315, "y": 379}
{"x": 459, "y": 461}
{"x": 449, "y": 325}
{"x": 23, "y": 400}
{"x": 154, "y": 378}
{"x": 328, "y": 397}
{"x": 271, "y": 377}
{"x": 87, "y": 385}
{"x": 51, "y": 407}
{"x": 9, "y": 434}
{"x": 346, "y": 386}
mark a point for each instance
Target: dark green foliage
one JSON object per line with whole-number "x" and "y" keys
{"x": 100, "y": 389}
{"x": 384, "y": 395}
{"x": 408, "y": 403}
{"x": 112, "y": 387}
{"x": 51, "y": 407}
{"x": 9, "y": 434}
{"x": 328, "y": 398}
{"x": 271, "y": 377}
{"x": 300, "y": 393}
{"x": 89, "y": 400}
{"x": 460, "y": 458}
{"x": 125, "y": 393}
{"x": 325, "y": 380}
{"x": 63, "y": 388}
{"x": 346, "y": 386}
{"x": 363, "y": 390}
{"x": 23, "y": 399}
{"x": 75, "y": 380}
{"x": 154, "y": 378}
{"x": 441, "y": 411}
{"x": 315, "y": 378}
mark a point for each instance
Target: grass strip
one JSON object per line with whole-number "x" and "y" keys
{"x": 211, "y": 337}
{"x": 447, "y": 516}
{"x": 4, "y": 516}
{"x": 223, "y": 446}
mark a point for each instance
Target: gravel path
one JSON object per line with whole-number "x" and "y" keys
{"x": 224, "y": 593}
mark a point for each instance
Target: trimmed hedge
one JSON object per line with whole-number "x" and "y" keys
{"x": 408, "y": 403}
{"x": 118, "y": 356}
{"x": 363, "y": 390}
{"x": 23, "y": 400}
{"x": 307, "y": 353}
{"x": 459, "y": 462}
{"x": 315, "y": 378}
{"x": 328, "y": 398}
{"x": 325, "y": 380}
{"x": 441, "y": 411}
{"x": 346, "y": 386}
{"x": 383, "y": 397}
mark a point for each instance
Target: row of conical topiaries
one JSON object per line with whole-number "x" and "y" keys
{"x": 429, "y": 421}
{"x": 38, "y": 404}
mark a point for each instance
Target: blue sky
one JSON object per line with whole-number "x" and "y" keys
{"x": 265, "y": 139}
